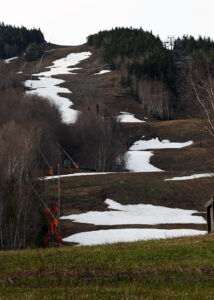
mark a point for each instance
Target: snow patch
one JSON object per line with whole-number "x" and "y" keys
{"x": 139, "y": 161}
{"x": 144, "y": 214}
{"x": 102, "y": 72}
{"x": 62, "y": 66}
{"x": 157, "y": 144}
{"x": 128, "y": 235}
{"x": 49, "y": 87}
{"x": 78, "y": 174}
{"x": 8, "y": 60}
{"x": 196, "y": 176}
{"x": 128, "y": 118}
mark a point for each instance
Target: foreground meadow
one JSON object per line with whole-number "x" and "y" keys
{"x": 161, "y": 269}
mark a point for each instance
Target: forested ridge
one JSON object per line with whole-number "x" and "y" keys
{"x": 135, "y": 43}
{"x": 14, "y": 40}
{"x": 189, "y": 45}
{"x": 155, "y": 74}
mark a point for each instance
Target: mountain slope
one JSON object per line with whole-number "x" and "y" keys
{"x": 104, "y": 93}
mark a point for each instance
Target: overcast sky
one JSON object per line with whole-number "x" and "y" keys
{"x": 69, "y": 22}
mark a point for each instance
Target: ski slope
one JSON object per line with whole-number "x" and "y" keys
{"x": 138, "y": 158}
{"x": 46, "y": 86}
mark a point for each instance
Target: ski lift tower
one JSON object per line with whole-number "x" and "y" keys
{"x": 169, "y": 43}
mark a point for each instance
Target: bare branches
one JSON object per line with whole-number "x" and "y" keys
{"x": 97, "y": 143}
{"x": 202, "y": 83}
{"x": 17, "y": 153}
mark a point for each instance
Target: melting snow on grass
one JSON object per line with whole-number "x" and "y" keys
{"x": 128, "y": 235}
{"x": 63, "y": 65}
{"x": 8, "y": 60}
{"x": 103, "y": 72}
{"x": 157, "y": 144}
{"x": 138, "y": 160}
{"x": 133, "y": 214}
{"x": 128, "y": 118}
{"x": 144, "y": 214}
{"x": 196, "y": 176}
{"x": 78, "y": 174}
{"x": 49, "y": 87}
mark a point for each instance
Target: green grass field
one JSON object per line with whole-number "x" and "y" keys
{"x": 165, "y": 269}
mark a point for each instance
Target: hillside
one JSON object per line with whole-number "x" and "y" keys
{"x": 157, "y": 74}
{"x": 127, "y": 175}
{"x": 126, "y": 171}
{"x": 15, "y": 40}
{"x": 103, "y": 92}
{"x": 168, "y": 269}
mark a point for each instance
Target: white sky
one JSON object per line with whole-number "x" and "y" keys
{"x": 69, "y": 22}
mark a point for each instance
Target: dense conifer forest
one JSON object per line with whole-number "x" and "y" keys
{"x": 151, "y": 70}
{"x": 189, "y": 45}
{"x": 133, "y": 44}
{"x": 14, "y": 40}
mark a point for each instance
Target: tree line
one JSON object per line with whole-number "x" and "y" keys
{"x": 14, "y": 40}
{"x": 190, "y": 45}
{"x": 142, "y": 59}
{"x": 151, "y": 71}
{"x": 135, "y": 44}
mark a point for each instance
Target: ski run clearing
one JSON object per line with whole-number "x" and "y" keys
{"x": 98, "y": 237}
{"x": 46, "y": 86}
{"x": 138, "y": 160}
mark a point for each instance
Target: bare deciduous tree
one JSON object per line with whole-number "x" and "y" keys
{"x": 97, "y": 143}
{"x": 202, "y": 82}
{"x": 17, "y": 161}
